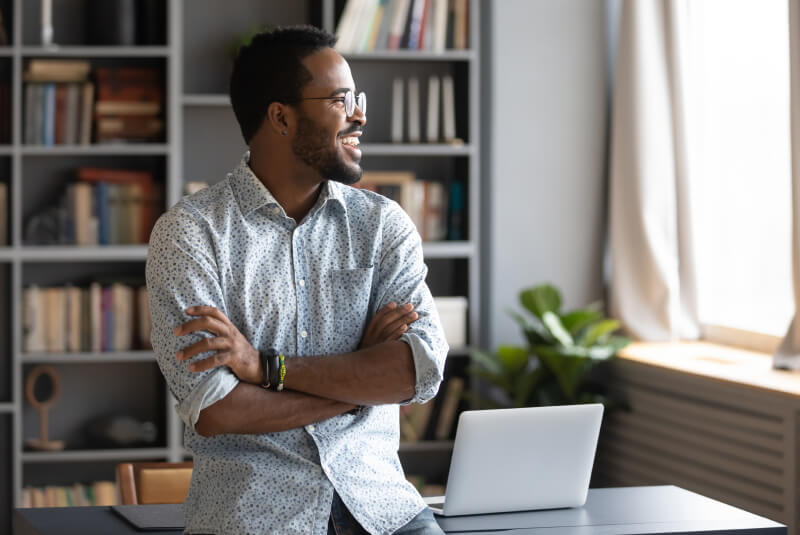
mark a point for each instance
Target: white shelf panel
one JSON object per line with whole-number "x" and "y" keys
{"x": 212, "y": 100}
{"x": 412, "y": 55}
{"x": 451, "y": 249}
{"x": 416, "y": 149}
{"x": 122, "y": 454}
{"x": 71, "y": 253}
{"x": 6, "y": 150}
{"x": 96, "y": 51}
{"x": 6, "y": 52}
{"x": 108, "y": 357}
{"x": 6, "y": 408}
{"x": 117, "y": 149}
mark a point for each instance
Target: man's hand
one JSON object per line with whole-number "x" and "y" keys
{"x": 388, "y": 324}
{"x": 232, "y": 348}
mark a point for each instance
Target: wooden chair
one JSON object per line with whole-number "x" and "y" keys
{"x": 143, "y": 483}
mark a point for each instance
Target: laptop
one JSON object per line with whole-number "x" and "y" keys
{"x": 525, "y": 459}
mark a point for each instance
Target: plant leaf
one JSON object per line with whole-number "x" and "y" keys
{"x": 498, "y": 380}
{"x": 569, "y": 370}
{"x": 534, "y": 330}
{"x": 578, "y": 319}
{"x": 513, "y": 358}
{"x": 488, "y": 361}
{"x": 525, "y": 385}
{"x": 556, "y": 328}
{"x": 597, "y": 331}
{"x": 541, "y": 299}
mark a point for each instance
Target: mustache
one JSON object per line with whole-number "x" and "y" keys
{"x": 351, "y": 131}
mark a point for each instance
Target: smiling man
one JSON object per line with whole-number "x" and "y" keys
{"x": 291, "y": 315}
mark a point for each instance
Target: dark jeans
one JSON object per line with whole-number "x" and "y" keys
{"x": 341, "y": 522}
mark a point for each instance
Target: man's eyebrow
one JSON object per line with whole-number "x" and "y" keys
{"x": 340, "y": 90}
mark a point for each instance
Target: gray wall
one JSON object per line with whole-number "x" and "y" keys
{"x": 545, "y": 101}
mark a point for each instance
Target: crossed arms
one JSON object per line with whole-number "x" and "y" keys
{"x": 317, "y": 388}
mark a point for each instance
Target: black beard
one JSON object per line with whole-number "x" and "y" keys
{"x": 311, "y": 145}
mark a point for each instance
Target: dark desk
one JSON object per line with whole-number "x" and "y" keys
{"x": 627, "y": 510}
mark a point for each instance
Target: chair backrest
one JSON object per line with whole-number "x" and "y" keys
{"x": 143, "y": 483}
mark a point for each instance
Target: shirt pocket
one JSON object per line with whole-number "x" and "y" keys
{"x": 351, "y": 295}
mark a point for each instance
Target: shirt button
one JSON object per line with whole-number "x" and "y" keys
{"x": 276, "y": 210}
{"x": 302, "y": 282}
{"x": 304, "y": 334}
{"x": 311, "y": 428}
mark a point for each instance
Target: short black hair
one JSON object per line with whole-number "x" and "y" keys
{"x": 270, "y": 69}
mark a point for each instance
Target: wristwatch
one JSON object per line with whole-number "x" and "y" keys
{"x": 269, "y": 364}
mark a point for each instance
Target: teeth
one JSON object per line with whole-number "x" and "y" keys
{"x": 350, "y": 141}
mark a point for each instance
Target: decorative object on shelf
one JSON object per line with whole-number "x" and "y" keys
{"x": 121, "y": 431}
{"x": 111, "y": 22}
{"x": 43, "y": 377}
{"x": 453, "y": 317}
{"x": 47, "y": 22}
{"x": 563, "y": 348}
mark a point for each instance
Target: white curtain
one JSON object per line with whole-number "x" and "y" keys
{"x": 652, "y": 286}
{"x": 788, "y": 353}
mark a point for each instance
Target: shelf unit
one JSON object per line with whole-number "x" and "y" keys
{"x": 198, "y": 117}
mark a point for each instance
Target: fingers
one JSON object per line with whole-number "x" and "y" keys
{"x": 204, "y": 323}
{"x": 218, "y": 359}
{"x": 204, "y": 345}
{"x": 399, "y": 324}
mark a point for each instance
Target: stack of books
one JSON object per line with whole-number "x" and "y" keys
{"x": 437, "y": 215}
{"x": 70, "y": 319}
{"x": 129, "y": 104}
{"x": 440, "y": 125}
{"x": 95, "y": 493}
{"x": 435, "y": 25}
{"x": 58, "y": 102}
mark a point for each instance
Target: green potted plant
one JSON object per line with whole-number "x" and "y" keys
{"x": 555, "y": 367}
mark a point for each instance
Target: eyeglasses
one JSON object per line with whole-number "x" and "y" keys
{"x": 350, "y": 100}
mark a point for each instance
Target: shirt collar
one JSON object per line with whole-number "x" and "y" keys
{"x": 252, "y": 194}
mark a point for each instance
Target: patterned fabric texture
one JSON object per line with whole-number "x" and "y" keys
{"x": 304, "y": 289}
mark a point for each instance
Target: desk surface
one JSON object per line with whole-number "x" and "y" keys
{"x": 626, "y": 510}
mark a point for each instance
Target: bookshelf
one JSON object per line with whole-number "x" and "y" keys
{"x": 201, "y": 142}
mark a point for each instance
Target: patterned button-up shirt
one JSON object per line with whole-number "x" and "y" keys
{"x": 304, "y": 289}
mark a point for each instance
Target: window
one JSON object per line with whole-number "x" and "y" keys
{"x": 738, "y": 108}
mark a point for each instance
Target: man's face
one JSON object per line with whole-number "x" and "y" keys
{"x": 326, "y": 140}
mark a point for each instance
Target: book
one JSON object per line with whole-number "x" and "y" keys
{"x": 73, "y": 318}
{"x": 382, "y": 39}
{"x": 461, "y": 25}
{"x": 447, "y": 413}
{"x": 60, "y": 119}
{"x": 34, "y": 319}
{"x": 346, "y": 25}
{"x": 414, "y": 419}
{"x": 397, "y": 110}
{"x": 439, "y": 37}
{"x": 122, "y": 303}
{"x": 378, "y": 17}
{"x": 144, "y": 326}
{"x": 398, "y": 24}
{"x": 413, "y": 110}
{"x": 448, "y": 109}
{"x": 455, "y": 211}
{"x": 71, "y": 126}
{"x": 415, "y": 28}
{"x": 150, "y": 198}
{"x": 56, "y": 339}
{"x": 426, "y": 32}
{"x": 4, "y": 214}
{"x": 432, "y": 126}
{"x": 48, "y": 114}
{"x": 87, "y": 105}
{"x": 56, "y": 70}
{"x": 81, "y": 212}
{"x": 96, "y": 317}
{"x": 435, "y": 212}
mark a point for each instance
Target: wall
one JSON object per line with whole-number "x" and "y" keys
{"x": 545, "y": 98}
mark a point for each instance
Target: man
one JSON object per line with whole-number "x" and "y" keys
{"x": 283, "y": 259}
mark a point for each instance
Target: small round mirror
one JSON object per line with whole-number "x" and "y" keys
{"x": 42, "y": 387}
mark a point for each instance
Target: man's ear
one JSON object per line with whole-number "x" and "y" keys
{"x": 279, "y": 118}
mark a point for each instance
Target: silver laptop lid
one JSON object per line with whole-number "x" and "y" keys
{"x": 522, "y": 459}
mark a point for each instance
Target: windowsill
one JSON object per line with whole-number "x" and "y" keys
{"x": 721, "y": 363}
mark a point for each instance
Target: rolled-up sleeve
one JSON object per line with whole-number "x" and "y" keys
{"x": 182, "y": 272}
{"x": 401, "y": 279}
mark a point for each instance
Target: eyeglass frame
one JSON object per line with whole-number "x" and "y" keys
{"x": 359, "y": 101}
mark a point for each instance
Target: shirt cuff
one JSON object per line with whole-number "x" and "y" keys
{"x": 215, "y": 387}
{"x": 429, "y": 368}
